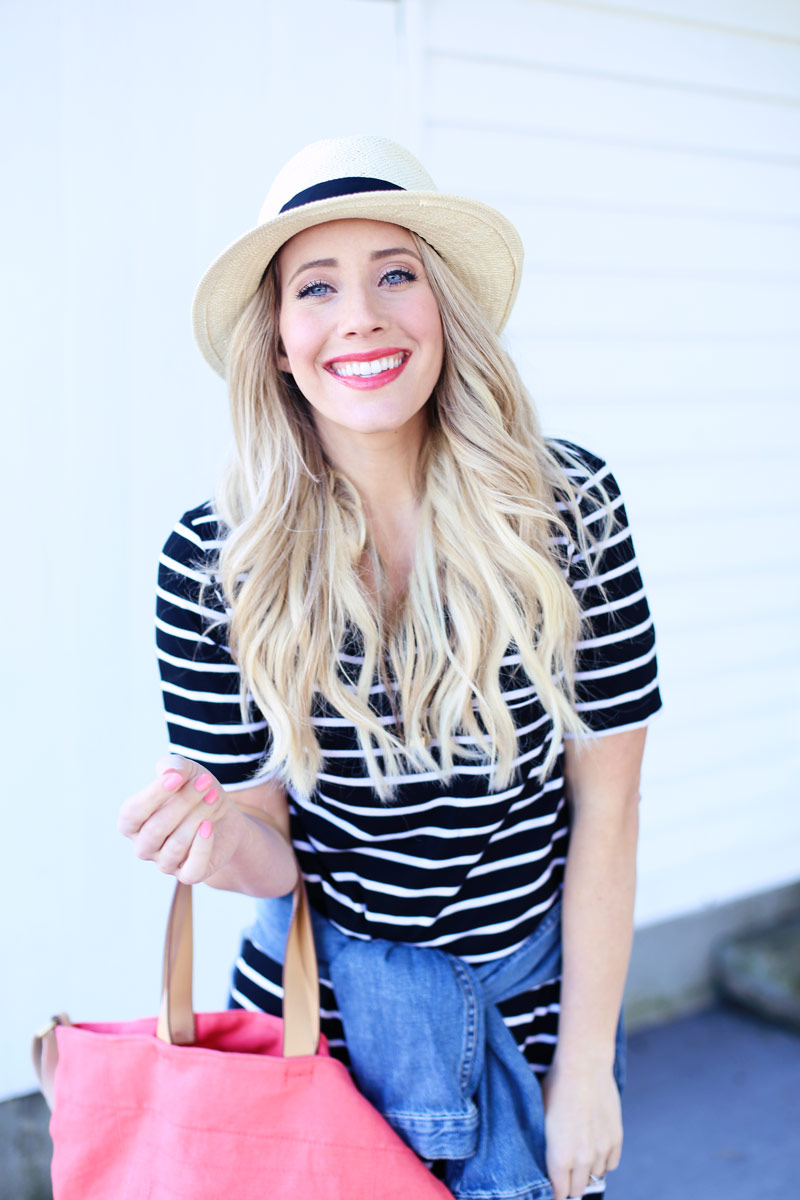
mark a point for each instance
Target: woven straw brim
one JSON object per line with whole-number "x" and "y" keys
{"x": 479, "y": 245}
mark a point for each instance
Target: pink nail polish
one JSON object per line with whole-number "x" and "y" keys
{"x": 211, "y": 796}
{"x": 171, "y": 780}
{"x": 205, "y": 829}
{"x": 202, "y": 782}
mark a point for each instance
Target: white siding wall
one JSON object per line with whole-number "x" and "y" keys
{"x": 648, "y": 152}
{"x": 140, "y": 140}
{"x": 650, "y": 155}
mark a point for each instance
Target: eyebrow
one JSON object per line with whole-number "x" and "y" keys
{"x": 375, "y": 256}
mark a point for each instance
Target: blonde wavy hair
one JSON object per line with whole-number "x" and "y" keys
{"x": 296, "y": 536}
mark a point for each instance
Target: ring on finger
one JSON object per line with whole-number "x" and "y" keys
{"x": 596, "y": 1178}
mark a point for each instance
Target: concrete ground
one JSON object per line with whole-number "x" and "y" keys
{"x": 712, "y": 1112}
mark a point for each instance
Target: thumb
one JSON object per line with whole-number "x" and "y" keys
{"x": 184, "y": 766}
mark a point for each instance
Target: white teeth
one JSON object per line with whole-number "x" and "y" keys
{"x": 373, "y": 367}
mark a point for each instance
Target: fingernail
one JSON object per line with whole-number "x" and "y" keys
{"x": 205, "y": 829}
{"x": 171, "y": 780}
{"x": 202, "y": 782}
{"x": 211, "y": 796}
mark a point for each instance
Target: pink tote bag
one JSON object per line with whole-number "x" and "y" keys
{"x": 206, "y": 1106}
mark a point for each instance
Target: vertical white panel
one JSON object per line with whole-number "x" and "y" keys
{"x": 139, "y": 141}
{"x": 649, "y": 154}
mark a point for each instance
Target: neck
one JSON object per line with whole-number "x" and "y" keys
{"x": 382, "y": 467}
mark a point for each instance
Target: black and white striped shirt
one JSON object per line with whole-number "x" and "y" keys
{"x": 446, "y": 863}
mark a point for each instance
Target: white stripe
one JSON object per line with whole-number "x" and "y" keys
{"x": 206, "y": 756}
{"x": 525, "y": 1018}
{"x": 180, "y": 602}
{"x": 258, "y": 979}
{"x": 598, "y": 550}
{"x": 187, "y": 634}
{"x": 477, "y": 902}
{"x": 601, "y": 733}
{"x": 596, "y": 514}
{"x": 206, "y": 519}
{"x": 244, "y": 1001}
{"x": 621, "y": 636}
{"x": 549, "y": 786}
{"x": 437, "y": 831}
{"x": 495, "y": 897}
{"x": 593, "y": 580}
{"x": 619, "y": 669}
{"x": 524, "y": 826}
{"x": 614, "y": 605}
{"x": 432, "y": 776}
{"x": 515, "y": 861}
{"x": 343, "y": 722}
{"x": 190, "y": 535}
{"x": 409, "y": 860}
{"x": 450, "y": 801}
{"x": 216, "y": 729}
{"x": 204, "y": 697}
{"x": 599, "y": 513}
{"x": 498, "y": 927}
{"x": 391, "y": 889}
{"x": 625, "y": 698}
{"x": 190, "y": 665}
{"x": 179, "y": 568}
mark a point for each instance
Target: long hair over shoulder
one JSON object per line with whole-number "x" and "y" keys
{"x": 488, "y": 577}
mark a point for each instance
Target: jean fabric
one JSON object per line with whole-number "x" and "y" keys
{"x": 430, "y": 1050}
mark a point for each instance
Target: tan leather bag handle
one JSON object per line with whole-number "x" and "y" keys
{"x": 301, "y": 1022}
{"x": 300, "y": 975}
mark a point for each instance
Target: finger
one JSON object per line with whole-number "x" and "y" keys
{"x": 171, "y": 772}
{"x": 614, "y": 1157}
{"x": 140, "y": 807}
{"x": 173, "y": 855}
{"x": 579, "y": 1182}
{"x": 559, "y": 1179}
{"x": 197, "y": 864}
{"x": 596, "y": 1179}
{"x": 166, "y": 837}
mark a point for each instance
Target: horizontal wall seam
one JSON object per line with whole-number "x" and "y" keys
{"x": 563, "y": 135}
{"x": 657, "y": 82}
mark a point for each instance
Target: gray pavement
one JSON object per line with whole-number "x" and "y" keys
{"x": 712, "y": 1112}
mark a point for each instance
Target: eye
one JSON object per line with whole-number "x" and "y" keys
{"x": 317, "y": 288}
{"x": 397, "y": 275}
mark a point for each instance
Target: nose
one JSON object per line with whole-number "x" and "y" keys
{"x": 359, "y": 312}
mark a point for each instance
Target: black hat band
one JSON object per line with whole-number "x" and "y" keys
{"x": 348, "y": 186}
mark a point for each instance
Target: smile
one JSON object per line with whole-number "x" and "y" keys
{"x": 363, "y": 370}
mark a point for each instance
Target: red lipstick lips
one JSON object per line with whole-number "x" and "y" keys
{"x": 392, "y": 358}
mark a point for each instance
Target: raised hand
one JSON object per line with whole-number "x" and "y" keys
{"x": 183, "y": 821}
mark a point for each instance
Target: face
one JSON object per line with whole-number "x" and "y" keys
{"x": 360, "y": 328}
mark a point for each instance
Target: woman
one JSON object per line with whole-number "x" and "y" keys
{"x": 391, "y": 633}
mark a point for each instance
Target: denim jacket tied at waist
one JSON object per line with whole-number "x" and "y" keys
{"x": 430, "y": 1050}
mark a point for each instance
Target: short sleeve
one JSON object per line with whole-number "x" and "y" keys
{"x": 199, "y": 679}
{"x": 616, "y": 676}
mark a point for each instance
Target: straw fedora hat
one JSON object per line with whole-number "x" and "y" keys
{"x": 368, "y": 177}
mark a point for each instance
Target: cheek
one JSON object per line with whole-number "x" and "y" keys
{"x": 295, "y": 343}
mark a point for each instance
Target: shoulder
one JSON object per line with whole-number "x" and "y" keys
{"x": 587, "y": 496}
{"x": 189, "y": 555}
{"x": 587, "y": 473}
{"x": 194, "y": 540}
